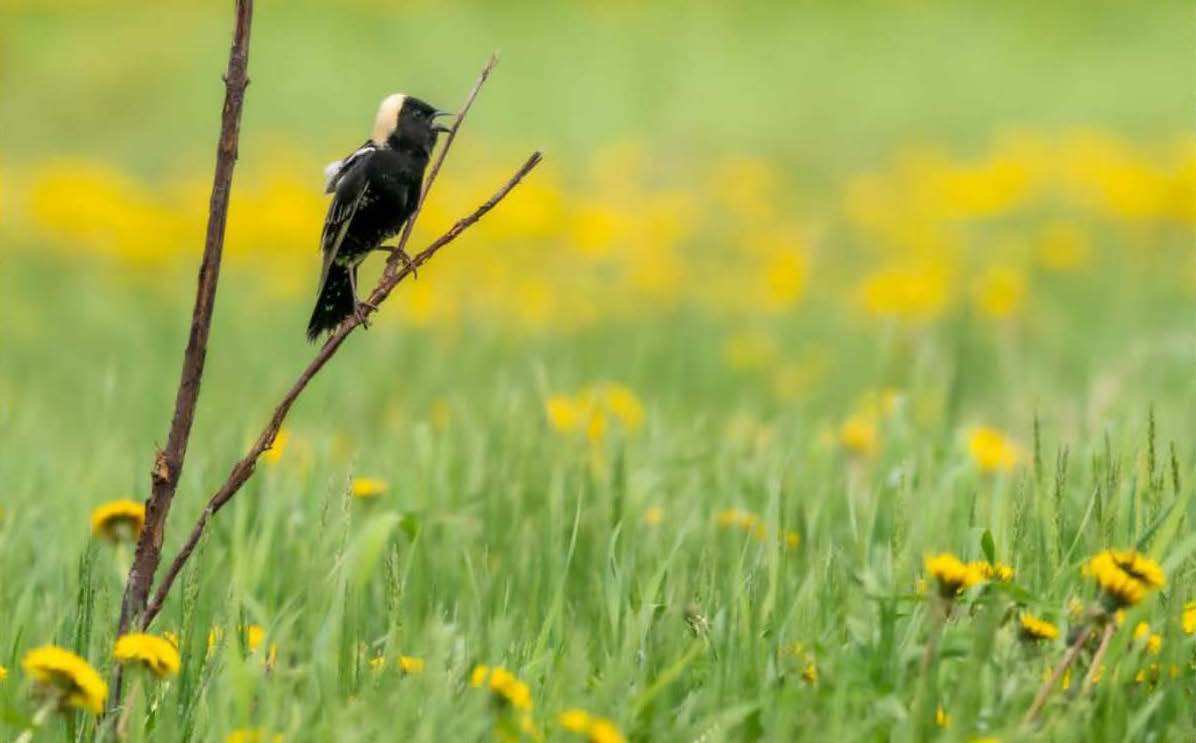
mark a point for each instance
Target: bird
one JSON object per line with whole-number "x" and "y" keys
{"x": 374, "y": 191}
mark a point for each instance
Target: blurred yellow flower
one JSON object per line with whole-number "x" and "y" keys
{"x": 997, "y": 571}
{"x": 1189, "y": 618}
{"x": 253, "y": 735}
{"x": 378, "y": 663}
{"x": 564, "y": 414}
{"x": 595, "y": 729}
{"x": 653, "y": 516}
{"x": 3, "y": 673}
{"x": 504, "y": 684}
{"x": 1152, "y": 642}
{"x": 366, "y": 488}
{"x": 1062, "y": 247}
{"x": 941, "y": 718}
{"x": 61, "y": 675}
{"x": 858, "y": 436}
{"x": 1033, "y": 628}
{"x": 411, "y": 665}
{"x": 991, "y": 451}
{"x": 750, "y": 351}
{"x": 952, "y": 574}
{"x": 1125, "y": 575}
{"x": 275, "y": 452}
{"x": 1000, "y": 292}
{"x": 916, "y": 294}
{"x": 118, "y": 521}
{"x": 157, "y": 654}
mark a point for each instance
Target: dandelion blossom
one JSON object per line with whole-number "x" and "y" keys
{"x": 118, "y": 521}
{"x": 277, "y": 447}
{"x": 952, "y": 574}
{"x": 1189, "y": 618}
{"x": 997, "y": 571}
{"x": 1125, "y": 575}
{"x": 563, "y": 413}
{"x": 157, "y": 654}
{"x": 1033, "y": 628}
{"x": 595, "y": 729}
{"x": 1153, "y": 642}
{"x": 991, "y": 450}
{"x": 410, "y": 665}
{"x": 653, "y": 516}
{"x": 858, "y": 436}
{"x": 60, "y": 674}
{"x": 366, "y": 488}
{"x": 3, "y": 673}
{"x": 252, "y": 735}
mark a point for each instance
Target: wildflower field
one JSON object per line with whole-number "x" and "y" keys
{"x": 832, "y": 379}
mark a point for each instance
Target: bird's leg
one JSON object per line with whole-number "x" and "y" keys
{"x": 402, "y": 254}
{"x": 358, "y": 312}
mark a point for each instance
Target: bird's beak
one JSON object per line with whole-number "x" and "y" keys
{"x": 441, "y": 128}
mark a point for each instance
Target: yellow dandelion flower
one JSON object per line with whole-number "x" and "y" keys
{"x": 595, "y": 729}
{"x": 365, "y": 488}
{"x": 410, "y": 665}
{"x": 952, "y": 574}
{"x": 3, "y": 673}
{"x": 1033, "y": 628}
{"x": 1153, "y": 642}
{"x": 991, "y": 450}
{"x": 574, "y": 720}
{"x": 858, "y": 436}
{"x": 792, "y": 540}
{"x": 1125, "y": 575}
{"x": 595, "y": 424}
{"x": 1189, "y": 618}
{"x": 941, "y": 718}
{"x": 275, "y": 452}
{"x": 153, "y": 652}
{"x": 508, "y": 686}
{"x": 653, "y": 516}
{"x": 997, "y": 571}
{"x": 60, "y": 674}
{"x": 624, "y": 405}
{"x": 604, "y": 731}
{"x": 477, "y": 677}
{"x": 253, "y": 735}
{"x": 118, "y": 521}
{"x": 1000, "y": 292}
{"x": 564, "y": 414}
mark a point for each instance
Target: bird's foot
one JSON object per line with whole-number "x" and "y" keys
{"x": 361, "y": 315}
{"x": 403, "y": 257}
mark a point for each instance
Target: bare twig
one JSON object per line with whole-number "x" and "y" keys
{"x": 1045, "y": 690}
{"x": 1098, "y": 659}
{"x": 168, "y": 464}
{"x": 396, "y": 270}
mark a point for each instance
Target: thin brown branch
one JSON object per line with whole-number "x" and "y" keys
{"x": 396, "y": 271}
{"x": 1045, "y": 690}
{"x": 1098, "y": 659}
{"x": 168, "y": 464}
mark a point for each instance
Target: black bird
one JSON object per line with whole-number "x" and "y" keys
{"x": 375, "y": 189}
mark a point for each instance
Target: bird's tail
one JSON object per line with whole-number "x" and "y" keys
{"x": 335, "y": 303}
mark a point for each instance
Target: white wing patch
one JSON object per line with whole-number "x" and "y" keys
{"x": 335, "y": 169}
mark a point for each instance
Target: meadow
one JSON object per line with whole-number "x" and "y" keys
{"x": 800, "y": 394}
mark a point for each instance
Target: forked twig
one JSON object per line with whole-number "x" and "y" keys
{"x": 396, "y": 270}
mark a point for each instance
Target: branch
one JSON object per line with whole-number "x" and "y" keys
{"x": 168, "y": 464}
{"x": 396, "y": 270}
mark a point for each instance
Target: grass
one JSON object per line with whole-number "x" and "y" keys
{"x": 597, "y": 568}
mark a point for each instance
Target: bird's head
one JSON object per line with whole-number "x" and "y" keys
{"x": 406, "y": 122}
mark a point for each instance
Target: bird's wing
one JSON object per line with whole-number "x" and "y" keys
{"x": 345, "y": 203}
{"x": 335, "y": 170}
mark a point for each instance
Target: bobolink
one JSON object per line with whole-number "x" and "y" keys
{"x": 375, "y": 190}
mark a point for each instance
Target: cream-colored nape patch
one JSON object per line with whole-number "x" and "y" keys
{"x": 388, "y": 117}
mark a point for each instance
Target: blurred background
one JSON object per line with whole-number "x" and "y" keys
{"x": 827, "y": 262}
{"x": 753, "y": 208}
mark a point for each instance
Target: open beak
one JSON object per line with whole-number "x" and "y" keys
{"x": 442, "y": 127}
